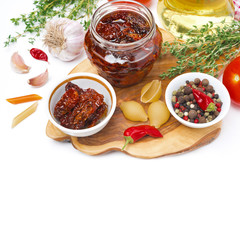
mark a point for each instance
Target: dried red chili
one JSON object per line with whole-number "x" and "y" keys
{"x": 39, "y": 54}
{"x": 204, "y": 101}
{"x": 135, "y": 133}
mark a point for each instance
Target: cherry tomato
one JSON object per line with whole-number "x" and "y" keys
{"x": 231, "y": 80}
{"x": 147, "y": 3}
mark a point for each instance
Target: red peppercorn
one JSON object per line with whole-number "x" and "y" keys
{"x": 182, "y": 108}
{"x": 196, "y": 120}
{"x": 177, "y": 105}
{"x": 218, "y": 105}
{"x": 185, "y": 118}
{"x": 219, "y": 109}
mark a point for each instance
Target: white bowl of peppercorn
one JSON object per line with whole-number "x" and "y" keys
{"x": 197, "y": 100}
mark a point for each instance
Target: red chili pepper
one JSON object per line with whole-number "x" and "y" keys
{"x": 204, "y": 101}
{"x": 135, "y": 133}
{"x": 39, "y": 54}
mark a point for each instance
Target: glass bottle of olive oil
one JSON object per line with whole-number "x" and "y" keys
{"x": 179, "y": 16}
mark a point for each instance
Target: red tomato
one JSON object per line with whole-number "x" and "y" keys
{"x": 231, "y": 80}
{"x": 147, "y": 3}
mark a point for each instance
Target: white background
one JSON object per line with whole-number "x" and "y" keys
{"x": 49, "y": 190}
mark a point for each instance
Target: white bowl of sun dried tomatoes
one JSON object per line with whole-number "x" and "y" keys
{"x": 197, "y": 100}
{"x": 82, "y": 104}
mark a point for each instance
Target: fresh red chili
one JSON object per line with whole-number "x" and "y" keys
{"x": 135, "y": 133}
{"x": 39, "y": 54}
{"x": 204, "y": 101}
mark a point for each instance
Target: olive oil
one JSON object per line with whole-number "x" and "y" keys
{"x": 179, "y": 16}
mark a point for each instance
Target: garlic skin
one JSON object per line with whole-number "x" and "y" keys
{"x": 64, "y": 38}
{"x": 18, "y": 64}
{"x": 39, "y": 80}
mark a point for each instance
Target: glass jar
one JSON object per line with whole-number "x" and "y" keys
{"x": 113, "y": 49}
{"x": 180, "y": 16}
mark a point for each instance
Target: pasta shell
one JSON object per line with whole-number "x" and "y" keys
{"x": 158, "y": 113}
{"x": 151, "y": 92}
{"x": 133, "y": 111}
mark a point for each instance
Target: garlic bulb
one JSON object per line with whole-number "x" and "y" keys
{"x": 64, "y": 38}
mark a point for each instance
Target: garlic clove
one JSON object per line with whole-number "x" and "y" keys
{"x": 18, "y": 64}
{"x": 39, "y": 80}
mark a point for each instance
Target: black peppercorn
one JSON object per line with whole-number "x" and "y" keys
{"x": 196, "y": 81}
{"x": 209, "y": 88}
{"x": 199, "y": 89}
{"x": 216, "y": 113}
{"x": 181, "y": 99}
{"x": 192, "y": 114}
{"x": 187, "y": 98}
{"x": 178, "y": 94}
{"x": 202, "y": 119}
{"x": 205, "y": 82}
{"x": 187, "y": 90}
{"x": 191, "y": 96}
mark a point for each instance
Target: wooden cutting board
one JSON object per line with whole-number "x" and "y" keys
{"x": 176, "y": 137}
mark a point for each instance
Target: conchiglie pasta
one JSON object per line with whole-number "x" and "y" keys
{"x": 151, "y": 92}
{"x": 158, "y": 113}
{"x": 133, "y": 111}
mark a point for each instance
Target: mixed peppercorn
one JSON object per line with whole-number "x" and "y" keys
{"x": 196, "y": 101}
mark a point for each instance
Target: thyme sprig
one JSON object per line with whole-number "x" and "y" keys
{"x": 208, "y": 51}
{"x": 45, "y": 10}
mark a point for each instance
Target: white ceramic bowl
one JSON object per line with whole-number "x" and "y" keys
{"x": 84, "y": 81}
{"x": 218, "y": 87}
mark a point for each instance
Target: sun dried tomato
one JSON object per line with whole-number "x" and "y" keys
{"x": 122, "y": 27}
{"x": 67, "y": 102}
{"x": 83, "y": 113}
{"x": 74, "y": 86}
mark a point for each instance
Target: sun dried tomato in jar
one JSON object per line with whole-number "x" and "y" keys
{"x": 123, "y": 42}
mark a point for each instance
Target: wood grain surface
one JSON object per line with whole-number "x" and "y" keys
{"x": 176, "y": 137}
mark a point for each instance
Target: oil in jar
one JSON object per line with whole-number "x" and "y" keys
{"x": 179, "y": 16}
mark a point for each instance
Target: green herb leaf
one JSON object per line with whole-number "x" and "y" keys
{"x": 45, "y": 10}
{"x": 208, "y": 51}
